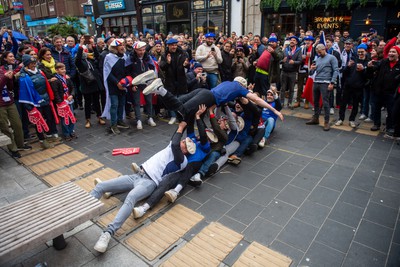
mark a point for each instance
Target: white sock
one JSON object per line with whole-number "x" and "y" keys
{"x": 162, "y": 91}
{"x": 178, "y": 188}
{"x": 146, "y": 207}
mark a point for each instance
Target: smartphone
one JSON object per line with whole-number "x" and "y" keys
{"x": 212, "y": 49}
{"x": 87, "y": 38}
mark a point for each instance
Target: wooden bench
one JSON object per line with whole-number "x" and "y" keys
{"x": 44, "y": 216}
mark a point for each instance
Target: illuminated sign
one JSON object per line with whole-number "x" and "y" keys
{"x": 323, "y": 23}
{"x": 114, "y": 5}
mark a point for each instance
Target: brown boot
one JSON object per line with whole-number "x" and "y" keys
{"x": 306, "y": 105}
{"x": 102, "y": 121}
{"x": 313, "y": 121}
{"x": 87, "y": 125}
{"x": 326, "y": 126}
{"x": 296, "y": 105}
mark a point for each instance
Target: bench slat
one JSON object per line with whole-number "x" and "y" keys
{"x": 17, "y": 204}
{"x": 66, "y": 225}
{"x": 44, "y": 217}
{"x": 36, "y": 219}
{"x": 38, "y": 210}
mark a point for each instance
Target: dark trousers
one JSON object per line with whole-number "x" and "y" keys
{"x": 396, "y": 115}
{"x": 321, "y": 89}
{"x": 173, "y": 180}
{"x": 92, "y": 100}
{"x": 261, "y": 84}
{"x": 353, "y": 95}
{"x": 387, "y": 100}
{"x": 48, "y": 116}
{"x": 187, "y": 105}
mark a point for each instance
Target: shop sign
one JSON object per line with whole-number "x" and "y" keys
{"x": 178, "y": 11}
{"x": 147, "y": 10}
{"x": 215, "y": 3}
{"x": 324, "y": 23}
{"x": 28, "y": 17}
{"x": 199, "y": 4}
{"x": 114, "y": 5}
{"x": 18, "y": 5}
{"x": 159, "y": 9}
{"x": 87, "y": 10}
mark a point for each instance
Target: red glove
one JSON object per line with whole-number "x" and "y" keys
{"x": 126, "y": 151}
{"x": 36, "y": 118}
{"x": 64, "y": 111}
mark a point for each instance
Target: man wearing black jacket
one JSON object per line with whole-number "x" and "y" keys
{"x": 356, "y": 79}
{"x": 385, "y": 85}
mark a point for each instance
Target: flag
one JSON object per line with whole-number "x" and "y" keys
{"x": 322, "y": 38}
{"x": 308, "y": 90}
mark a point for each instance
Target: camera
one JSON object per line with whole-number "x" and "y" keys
{"x": 203, "y": 74}
{"x": 87, "y": 38}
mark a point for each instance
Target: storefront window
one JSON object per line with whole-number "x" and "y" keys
{"x": 212, "y": 21}
{"x": 159, "y": 9}
{"x": 160, "y": 24}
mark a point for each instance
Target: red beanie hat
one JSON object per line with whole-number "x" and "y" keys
{"x": 397, "y": 49}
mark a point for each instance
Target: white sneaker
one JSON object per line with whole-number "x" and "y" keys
{"x": 352, "y": 124}
{"x": 151, "y": 122}
{"x": 171, "y": 195}
{"x": 102, "y": 243}
{"x": 362, "y": 117}
{"x": 153, "y": 87}
{"x": 332, "y": 111}
{"x": 135, "y": 167}
{"x": 368, "y": 120}
{"x": 144, "y": 78}
{"x": 339, "y": 122}
{"x": 139, "y": 125}
{"x": 172, "y": 120}
{"x": 262, "y": 142}
{"x": 97, "y": 181}
{"x": 138, "y": 212}
{"x": 196, "y": 178}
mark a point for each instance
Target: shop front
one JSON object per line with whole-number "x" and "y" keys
{"x": 39, "y": 27}
{"x": 118, "y": 16}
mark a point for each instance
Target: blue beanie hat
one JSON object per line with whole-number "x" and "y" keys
{"x": 209, "y": 34}
{"x": 272, "y": 38}
{"x": 197, "y": 65}
{"x": 362, "y": 46}
{"x": 27, "y": 59}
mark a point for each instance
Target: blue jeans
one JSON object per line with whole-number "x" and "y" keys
{"x": 366, "y": 101}
{"x": 139, "y": 188}
{"x": 67, "y": 130}
{"x": 210, "y": 159}
{"x": 243, "y": 145}
{"x": 117, "y": 108}
{"x": 136, "y": 105}
{"x": 269, "y": 126}
{"x": 212, "y": 80}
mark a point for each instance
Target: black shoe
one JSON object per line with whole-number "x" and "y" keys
{"x": 15, "y": 154}
{"x": 375, "y": 128}
{"x": 122, "y": 125}
{"x": 25, "y": 148}
{"x": 212, "y": 169}
{"x": 251, "y": 149}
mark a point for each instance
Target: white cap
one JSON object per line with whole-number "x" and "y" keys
{"x": 240, "y": 123}
{"x": 212, "y": 136}
{"x": 241, "y": 80}
{"x": 139, "y": 45}
{"x": 190, "y": 145}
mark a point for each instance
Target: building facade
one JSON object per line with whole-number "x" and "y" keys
{"x": 164, "y": 16}
{"x": 357, "y": 20}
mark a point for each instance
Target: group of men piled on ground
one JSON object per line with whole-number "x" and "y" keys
{"x": 240, "y": 83}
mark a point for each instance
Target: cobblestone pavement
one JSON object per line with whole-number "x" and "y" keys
{"x": 320, "y": 198}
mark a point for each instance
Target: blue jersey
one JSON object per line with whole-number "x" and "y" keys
{"x": 228, "y": 91}
{"x": 201, "y": 150}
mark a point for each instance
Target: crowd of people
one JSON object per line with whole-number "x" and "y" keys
{"x": 239, "y": 83}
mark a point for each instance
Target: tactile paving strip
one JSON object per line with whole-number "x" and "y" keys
{"x": 57, "y": 163}
{"x": 87, "y": 183}
{"x": 131, "y": 223}
{"x": 259, "y": 255}
{"x": 152, "y": 240}
{"x": 367, "y": 132}
{"x": 44, "y": 155}
{"x": 73, "y": 172}
{"x": 207, "y": 248}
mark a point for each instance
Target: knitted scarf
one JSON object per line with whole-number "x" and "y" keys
{"x": 50, "y": 65}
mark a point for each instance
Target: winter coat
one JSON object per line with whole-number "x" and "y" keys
{"x": 88, "y": 87}
{"x": 175, "y": 76}
{"x": 64, "y": 57}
